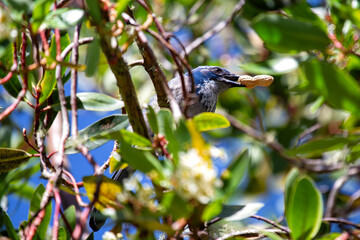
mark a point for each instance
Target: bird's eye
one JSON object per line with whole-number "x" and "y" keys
{"x": 218, "y": 70}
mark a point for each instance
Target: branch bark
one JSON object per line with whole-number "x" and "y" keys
{"x": 124, "y": 82}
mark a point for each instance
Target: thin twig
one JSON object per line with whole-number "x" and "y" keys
{"x": 73, "y": 88}
{"x": 28, "y": 142}
{"x": 254, "y": 234}
{"x": 165, "y": 97}
{"x": 313, "y": 165}
{"x": 120, "y": 68}
{"x": 341, "y": 221}
{"x": 76, "y": 189}
{"x": 23, "y": 91}
{"x": 37, "y": 217}
{"x": 6, "y": 78}
{"x": 85, "y": 151}
{"x": 336, "y": 188}
{"x": 349, "y": 204}
{"x": 69, "y": 47}
{"x": 136, "y": 63}
{"x": 308, "y": 131}
{"x": 285, "y": 229}
{"x": 55, "y": 230}
{"x": 163, "y": 37}
{"x": 214, "y": 30}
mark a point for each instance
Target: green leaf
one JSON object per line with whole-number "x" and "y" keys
{"x": 120, "y": 7}
{"x": 285, "y": 34}
{"x": 291, "y": 180}
{"x": 12, "y": 158}
{"x": 141, "y": 160}
{"x": 92, "y": 101}
{"x": 134, "y": 139}
{"x": 238, "y": 212}
{"x": 304, "y": 209}
{"x": 278, "y": 66}
{"x": 165, "y": 120}
{"x": 319, "y": 146}
{"x": 62, "y": 234}
{"x": 41, "y": 9}
{"x": 63, "y": 18}
{"x": 175, "y": 205}
{"x": 106, "y": 188}
{"x": 19, "y": 5}
{"x": 271, "y": 235}
{"x": 330, "y": 236}
{"x": 9, "y": 226}
{"x": 209, "y": 121}
{"x": 88, "y": 136}
{"x": 233, "y": 175}
{"x": 151, "y": 115}
{"x": 35, "y": 206}
{"x": 13, "y": 86}
{"x": 70, "y": 215}
{"x": 94, "y": 10}
{"x": 131, "y": 138}
{"x": 211, "y": 210}
{"x": 339, "y": 89}
{"x": 302, "y": 11}
{"x": 48, "y": 82}
{"x": 21, "y": 189}
{"x": 92, "y": 57}
{"x": 173, "y": 136}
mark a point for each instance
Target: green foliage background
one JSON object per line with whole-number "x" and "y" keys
{"x": 301, "y": 133}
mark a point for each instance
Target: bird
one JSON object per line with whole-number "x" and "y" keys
{"x": 209, "y": 83}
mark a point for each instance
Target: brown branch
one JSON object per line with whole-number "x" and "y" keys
{"x": 285, "y": 229}
{"x": 22, "y": 93}
{"x": 214, "y": 30}
{"x": 28, "y": 142}
{"x": 340, "y": 221}
{"x": 336, "y": 188}
{"x": 75, "y": 185}
{"x": 312, "y": 165}
{"x": 136, "y": 63}
{"x": 152, "y": 66}
{"x": 55, "y": 230}
{"x": 85, "y": 151}
{"x": 163, "y": 37}
{"x": 120, "y": 68}
{"x": 164, "y": 95}
{"x": 6, "y": 78}
{"x": 69, "y": 47}
{"x": 73, "y": 88}
{"x": 254, "y": 234}
{"x": 37, "y": 218}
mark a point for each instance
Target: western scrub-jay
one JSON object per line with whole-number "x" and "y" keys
{"x": 210, "y": 82}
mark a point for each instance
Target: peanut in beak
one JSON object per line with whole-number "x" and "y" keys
{"x": 258, "y": 80}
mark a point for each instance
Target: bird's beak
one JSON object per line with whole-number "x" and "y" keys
{"x": 232, "y": 79}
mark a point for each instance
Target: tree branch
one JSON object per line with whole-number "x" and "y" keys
{"x": 214, "y": 30}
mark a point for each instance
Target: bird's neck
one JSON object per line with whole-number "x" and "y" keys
{"x": 208, "y": 93}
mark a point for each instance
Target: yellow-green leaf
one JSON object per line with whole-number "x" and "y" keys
{"x": 209, "y": 121}
{"x": 12, "y": 158}
{"x": 108, "y": 189}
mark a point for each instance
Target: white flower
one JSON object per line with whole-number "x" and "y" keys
{"x": 218, "y": 153}
{"x": 6, "y": 30}
{"x": 109, "y": 236}
{"x": 195, "y": 178}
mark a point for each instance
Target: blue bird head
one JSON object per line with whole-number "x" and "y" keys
{"x": 221, "y": 77}
{"x": 210, "y": 82}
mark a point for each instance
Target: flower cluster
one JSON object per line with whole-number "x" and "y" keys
{"x": 6, "y": 30}
{"x": 195, "y": 177}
